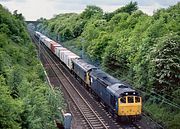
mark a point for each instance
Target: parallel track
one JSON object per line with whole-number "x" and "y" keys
{"x": 91, "y": 117}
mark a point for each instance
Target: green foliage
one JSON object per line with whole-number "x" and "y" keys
{"x": 97, "y": 48}
{"x": 140, "y": 49}
{"x": 129, "y": 8}
{"x": 110, "y": 60}
{"x": 68, "y": 26}
{"x": 10, "y": 108}
{"x": 166, "y": 58}
{"x": 176, "y": 96}
{"x": 26, "y": 100}
{"x": 161, "y": 113}
{"x": 91, "y": 11}
{"x": 13, "y": 26}
{"x": 18, "y": 16}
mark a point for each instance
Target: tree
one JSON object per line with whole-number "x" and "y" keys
{"x": 24, "y": 96}
{"x": 97, "y": 48}
{"x": 129, "y": 8}
{"x": 9, "y": 109}
{"x": 18, "y": 16}
{"x": 91, "y": 11}
{"x": 166, "y": 58}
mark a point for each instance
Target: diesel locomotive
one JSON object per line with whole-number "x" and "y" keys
{"x": 118, "y": 97}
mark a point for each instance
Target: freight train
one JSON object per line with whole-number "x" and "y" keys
{"x": 117, "y": 96}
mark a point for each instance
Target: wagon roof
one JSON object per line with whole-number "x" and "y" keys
{"x": 73, "y": 56}
{"x": 42, "y": 36}
{"x": 68, "y": 53}
{"x": 61, "y": 48}
{"x": 47, "y": 39}
{"x": 54, "y": 43}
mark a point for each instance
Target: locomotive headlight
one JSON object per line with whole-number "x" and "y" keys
{"x": 126, "y": 93}
{"x": 133, "y": 93}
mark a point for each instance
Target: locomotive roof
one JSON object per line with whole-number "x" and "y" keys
{"x": 119, "y": 89}
{"x": 105, "y": 78}
{"x": 84, "y": 65}
{"x": 112, "y": 84}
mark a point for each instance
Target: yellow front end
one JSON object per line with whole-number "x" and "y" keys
{"x": 129, "y": 106}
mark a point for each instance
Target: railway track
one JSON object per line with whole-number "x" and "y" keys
{"x": 93, "y": 120}
{"x": 91, "y": 117}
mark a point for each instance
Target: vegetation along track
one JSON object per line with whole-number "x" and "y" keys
{"x": 92, "y": 118}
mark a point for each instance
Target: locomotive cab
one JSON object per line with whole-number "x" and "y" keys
{"x": 129, "y": 105}
{"x": 128, "y": 102}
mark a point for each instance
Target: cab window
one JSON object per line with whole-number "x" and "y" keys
{"x": 131, "y": 99}
{"x": 137, "y": 99}
{"x": 123, "y": 100}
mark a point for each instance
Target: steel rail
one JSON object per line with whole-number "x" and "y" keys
{"x": 85, "y": 115}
